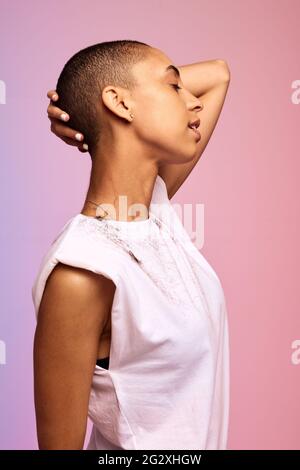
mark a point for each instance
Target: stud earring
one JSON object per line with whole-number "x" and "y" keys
{"x": 131, "y": 115}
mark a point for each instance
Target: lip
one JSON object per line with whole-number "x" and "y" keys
{"x": 196, "y": 133}
{"x": 195, "y": 123}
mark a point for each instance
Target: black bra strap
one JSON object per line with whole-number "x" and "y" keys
{"x": 104, "y": 362}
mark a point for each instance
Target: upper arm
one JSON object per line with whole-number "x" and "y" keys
{"x": 72, "y": 314}
{"x": 213, "y": 100}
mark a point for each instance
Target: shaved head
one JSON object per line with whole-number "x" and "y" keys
{"x": 87, "y": 73}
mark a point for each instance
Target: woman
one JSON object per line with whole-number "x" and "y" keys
{"x": 131, "y": 319}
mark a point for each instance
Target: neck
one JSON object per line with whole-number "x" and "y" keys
{"x": 123, "y": 188}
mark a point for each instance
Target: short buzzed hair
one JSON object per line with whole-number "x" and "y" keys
{"x": 87, "y": 73}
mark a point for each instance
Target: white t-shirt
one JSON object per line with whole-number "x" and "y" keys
{"x": 167, "y": 385}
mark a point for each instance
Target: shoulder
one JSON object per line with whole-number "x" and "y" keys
{"x": 82, "y": 260}
{"x": 88, "y": 244}
{"x": 73, "y": 291}
{"x": 79, "y": 282}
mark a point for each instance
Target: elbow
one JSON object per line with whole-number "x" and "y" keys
{"x": 224, "y": 70}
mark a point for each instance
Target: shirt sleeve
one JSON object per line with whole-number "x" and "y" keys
{"x": 81, "y": 251}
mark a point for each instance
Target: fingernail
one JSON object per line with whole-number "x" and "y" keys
{"x": 78, "y": 137}
{"x": 85, "y": 146}
{"x": 64, "y": 117}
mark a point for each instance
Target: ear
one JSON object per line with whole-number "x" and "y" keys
{"x": 117, "y": 100}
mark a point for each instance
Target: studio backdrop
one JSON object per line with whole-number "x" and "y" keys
{"x": 246, "y": 185}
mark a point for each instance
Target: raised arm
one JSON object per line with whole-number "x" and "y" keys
{"x": 209, "y": 81}
{"x": 75, "y": 306}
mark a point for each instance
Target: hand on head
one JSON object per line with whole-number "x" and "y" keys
{"x": 58, "y": 119}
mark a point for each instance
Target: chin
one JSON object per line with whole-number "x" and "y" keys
{"x": 190, "y": 152}
{"x": 182, "y": 155}
{"x": 190, "y": 156}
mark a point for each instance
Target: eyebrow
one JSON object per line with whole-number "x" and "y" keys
{"x": 175, "y": 69}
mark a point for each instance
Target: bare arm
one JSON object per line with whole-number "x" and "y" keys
{"x": 75, "y": 306}
{"x": 208, "y": 80}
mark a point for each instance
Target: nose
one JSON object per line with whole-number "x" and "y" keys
{"x": 194, "y": 103}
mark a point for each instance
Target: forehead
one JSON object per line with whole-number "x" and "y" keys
{"x": 157, "y": 66}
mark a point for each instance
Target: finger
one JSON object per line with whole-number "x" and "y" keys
{"x": 52, "y": 95}
{"x": 57, "y": 113}
{"x": 70, "y": 141}
{"x": 62, "y": 130}
{"x": 83, "y": 147}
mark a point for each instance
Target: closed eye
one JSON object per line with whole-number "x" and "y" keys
{"x": 176, "y": 86}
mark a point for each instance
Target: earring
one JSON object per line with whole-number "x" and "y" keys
{"x": 131, "y": 115}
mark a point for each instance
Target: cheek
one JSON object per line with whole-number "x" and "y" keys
{"x": 163, "y": 119}
{"x": 161, "y": 125}
{"x": 169, "y": 139}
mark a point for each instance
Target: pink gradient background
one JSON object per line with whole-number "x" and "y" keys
{"x": 247, "y": 179}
